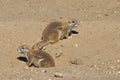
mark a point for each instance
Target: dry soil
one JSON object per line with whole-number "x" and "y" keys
{"x": 95, "y": 50}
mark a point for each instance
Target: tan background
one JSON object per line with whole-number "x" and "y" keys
{"x": 96, "y": 48}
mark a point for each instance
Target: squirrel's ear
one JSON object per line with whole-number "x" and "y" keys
{"x": 73, "y": 21}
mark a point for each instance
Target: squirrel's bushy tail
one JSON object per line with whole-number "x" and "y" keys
{"x": 40, "y": 45}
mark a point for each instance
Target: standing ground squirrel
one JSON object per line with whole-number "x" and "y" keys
{"x": 38, "y": 58}
{"x": 54, "y": 32}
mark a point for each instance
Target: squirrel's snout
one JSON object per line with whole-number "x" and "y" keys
{"x": 18, "y": 50}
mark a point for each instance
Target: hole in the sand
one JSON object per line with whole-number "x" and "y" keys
{"x": 73, "y": 32}
{"x": 22, "y": 59}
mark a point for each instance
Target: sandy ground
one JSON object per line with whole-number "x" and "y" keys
{"x": 96, "y": 48}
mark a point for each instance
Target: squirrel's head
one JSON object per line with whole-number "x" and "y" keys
{"x": 23, "y": 49}
{"x": 73, "y": 23}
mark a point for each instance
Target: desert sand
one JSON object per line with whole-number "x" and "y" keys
{"x": 92, "y": 54}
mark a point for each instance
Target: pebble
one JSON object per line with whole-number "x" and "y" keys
{"x": 26, "y": 67}
{"x": 44, "y": 71}
{"x": 30, "y": 78}
{"x": 118, "y": 60}
{"x": 76, "y": 61}
{"x": 58, "y": 75}
{"x": 57, "y": 55}
{"x": 76, "y": 45}
{"x": 118, "y": 72}
{"x": 115, "y": 12}
{"x": 70, "y": 37}
{"x": 112, "y": 67}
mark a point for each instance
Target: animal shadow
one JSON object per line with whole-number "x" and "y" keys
{"x": 22, "y": 59}
{"x": 73, "y": 32}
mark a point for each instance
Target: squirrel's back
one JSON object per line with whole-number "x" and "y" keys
{"x": 53, "y": 32}
{"x": 46, "y": 59}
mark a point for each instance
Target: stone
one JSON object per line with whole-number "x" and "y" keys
{"x": 58, "y": 75}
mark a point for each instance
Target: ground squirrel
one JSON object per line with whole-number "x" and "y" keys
{"x": 54, "y": 32}
{"x": 38, "y": 58}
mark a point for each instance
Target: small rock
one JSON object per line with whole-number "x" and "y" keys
{"x": 118, "y": 60}
{"x": 26, "y": 67}
{"x": 112, "y": 67}
{"x": 76, "y": 61}
{"x": 70, "y": 37}
{"x": 44, "y": 71}
{"x": 57, "y": 55}
{"x": 76, "y": 45}
{"x": 31, "y": 79}
{"x": 58, "y": 75}
{"x": 118, "y": 72}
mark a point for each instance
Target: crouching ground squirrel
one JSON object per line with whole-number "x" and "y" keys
{"x": 54, "y": 32}
{"x": 38, "y": 58}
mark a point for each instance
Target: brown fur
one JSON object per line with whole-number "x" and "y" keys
{"x": 38, "y": 58}
{"x": 36, "y": 55}
{"x": 54, "y": 32}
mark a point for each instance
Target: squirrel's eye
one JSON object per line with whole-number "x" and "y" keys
{"x": 73, "y": 21}
{"x": 23, "y": 48}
